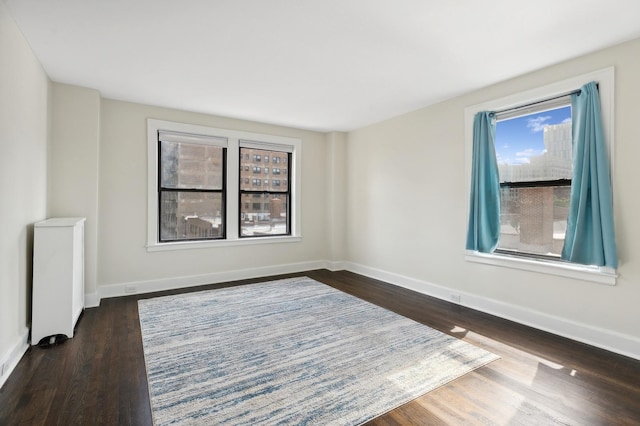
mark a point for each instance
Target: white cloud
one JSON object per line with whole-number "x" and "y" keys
{"x": 538, "y": 124}
{"x": 521, "y": 160}
{"x": 521, "y": 157}
{"x": 567, "y": 120}
{"x": 513, "y": 161}
{"x": 528, "y": 153}
{"x": 524, "y": 157}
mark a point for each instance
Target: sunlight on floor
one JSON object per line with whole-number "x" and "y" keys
{"x": 532, "y": 368}
{"x": 509, "y": 402}
{"x": 527, "y": 371}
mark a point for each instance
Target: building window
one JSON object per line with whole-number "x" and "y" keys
{"x": 191, "y": 187}
{"x": 533, "y": 150}
{"x": 202, "y": 190}
{"x": 534, "y": 183}
{"x": 270, "y": 214}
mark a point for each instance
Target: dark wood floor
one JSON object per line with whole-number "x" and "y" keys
{"x": 98, "y": 377}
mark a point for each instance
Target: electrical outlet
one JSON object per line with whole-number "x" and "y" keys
{"x": 130, "y": 289}
{"x": 455, "y": 298}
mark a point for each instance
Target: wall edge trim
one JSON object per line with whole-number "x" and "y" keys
{"x": 162, "y": 284}
{"x": 11, "y": 358}
{"x": 609, "y": 340}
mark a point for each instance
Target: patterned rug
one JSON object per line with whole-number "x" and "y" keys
{"x": 291, "y": 351}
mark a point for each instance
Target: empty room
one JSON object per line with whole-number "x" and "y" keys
{"x": 319, "y": 212}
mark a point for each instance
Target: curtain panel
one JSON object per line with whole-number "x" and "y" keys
{"x": 590, "y": 236}
{"x": 483, "y": 231}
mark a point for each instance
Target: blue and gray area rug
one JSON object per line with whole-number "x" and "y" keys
{"x": 291, "y": 351}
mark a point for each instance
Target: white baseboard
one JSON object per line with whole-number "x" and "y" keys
{"x": 334, "y": 266}
{"x": 10, "y": 359}
{"x": 606, "y": 339}
{"x": 91, "y": 300}
{"x": 610, "y": 340}
{"x": 149, "y": 286}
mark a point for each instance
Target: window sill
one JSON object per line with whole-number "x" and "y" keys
{"x": 600, "y": 275}
{"x": 188, "y": 245}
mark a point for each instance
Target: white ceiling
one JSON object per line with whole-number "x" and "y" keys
{"x": 314, "y": 64}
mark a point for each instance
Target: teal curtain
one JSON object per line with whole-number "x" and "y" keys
{"x": 484, "y": 212}
{"x": 590, "y": 238}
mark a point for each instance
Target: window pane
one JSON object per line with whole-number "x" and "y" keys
{"x": 190, "y": 215}
{"x": 264, "y": 214}
{"x": 248, "y": 161}
{"x": 535, "y": 147}
{"x": 534, "y": 220}
{"x": 192, "y": 166}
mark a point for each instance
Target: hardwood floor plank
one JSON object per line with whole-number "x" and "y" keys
{"x": 99, "y": 378}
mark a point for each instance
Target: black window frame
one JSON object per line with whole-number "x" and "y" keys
{"x": 257, "y": 193}
{"x": 222, "y": 192}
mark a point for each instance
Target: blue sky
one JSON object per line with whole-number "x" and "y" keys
{"x": 521, "y": 138}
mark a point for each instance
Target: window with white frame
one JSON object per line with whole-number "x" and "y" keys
{"x": 533, "y": 152}
{"x": 202, "y": 190}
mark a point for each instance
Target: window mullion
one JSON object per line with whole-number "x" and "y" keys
{"x": 233, "y": 186}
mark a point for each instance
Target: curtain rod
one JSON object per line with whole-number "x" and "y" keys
{"x": 537, "y": 102}
{"x": 576, "y": 91}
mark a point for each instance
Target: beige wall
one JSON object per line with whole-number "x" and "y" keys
{"x": 24, "y": 132}
{"x": 123, "y": 258}
{"x": 73, "y": 167}
{"x": 388, "y": 200}
{"x": 336, "y": 146}
{"x": 407, "y": 212}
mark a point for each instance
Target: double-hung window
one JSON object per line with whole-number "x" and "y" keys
{"x": 209, "y": 187}
{"x": 534, "y": 152}
{"x": 191, "y": 187}
{"x": 270, "y": 208}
